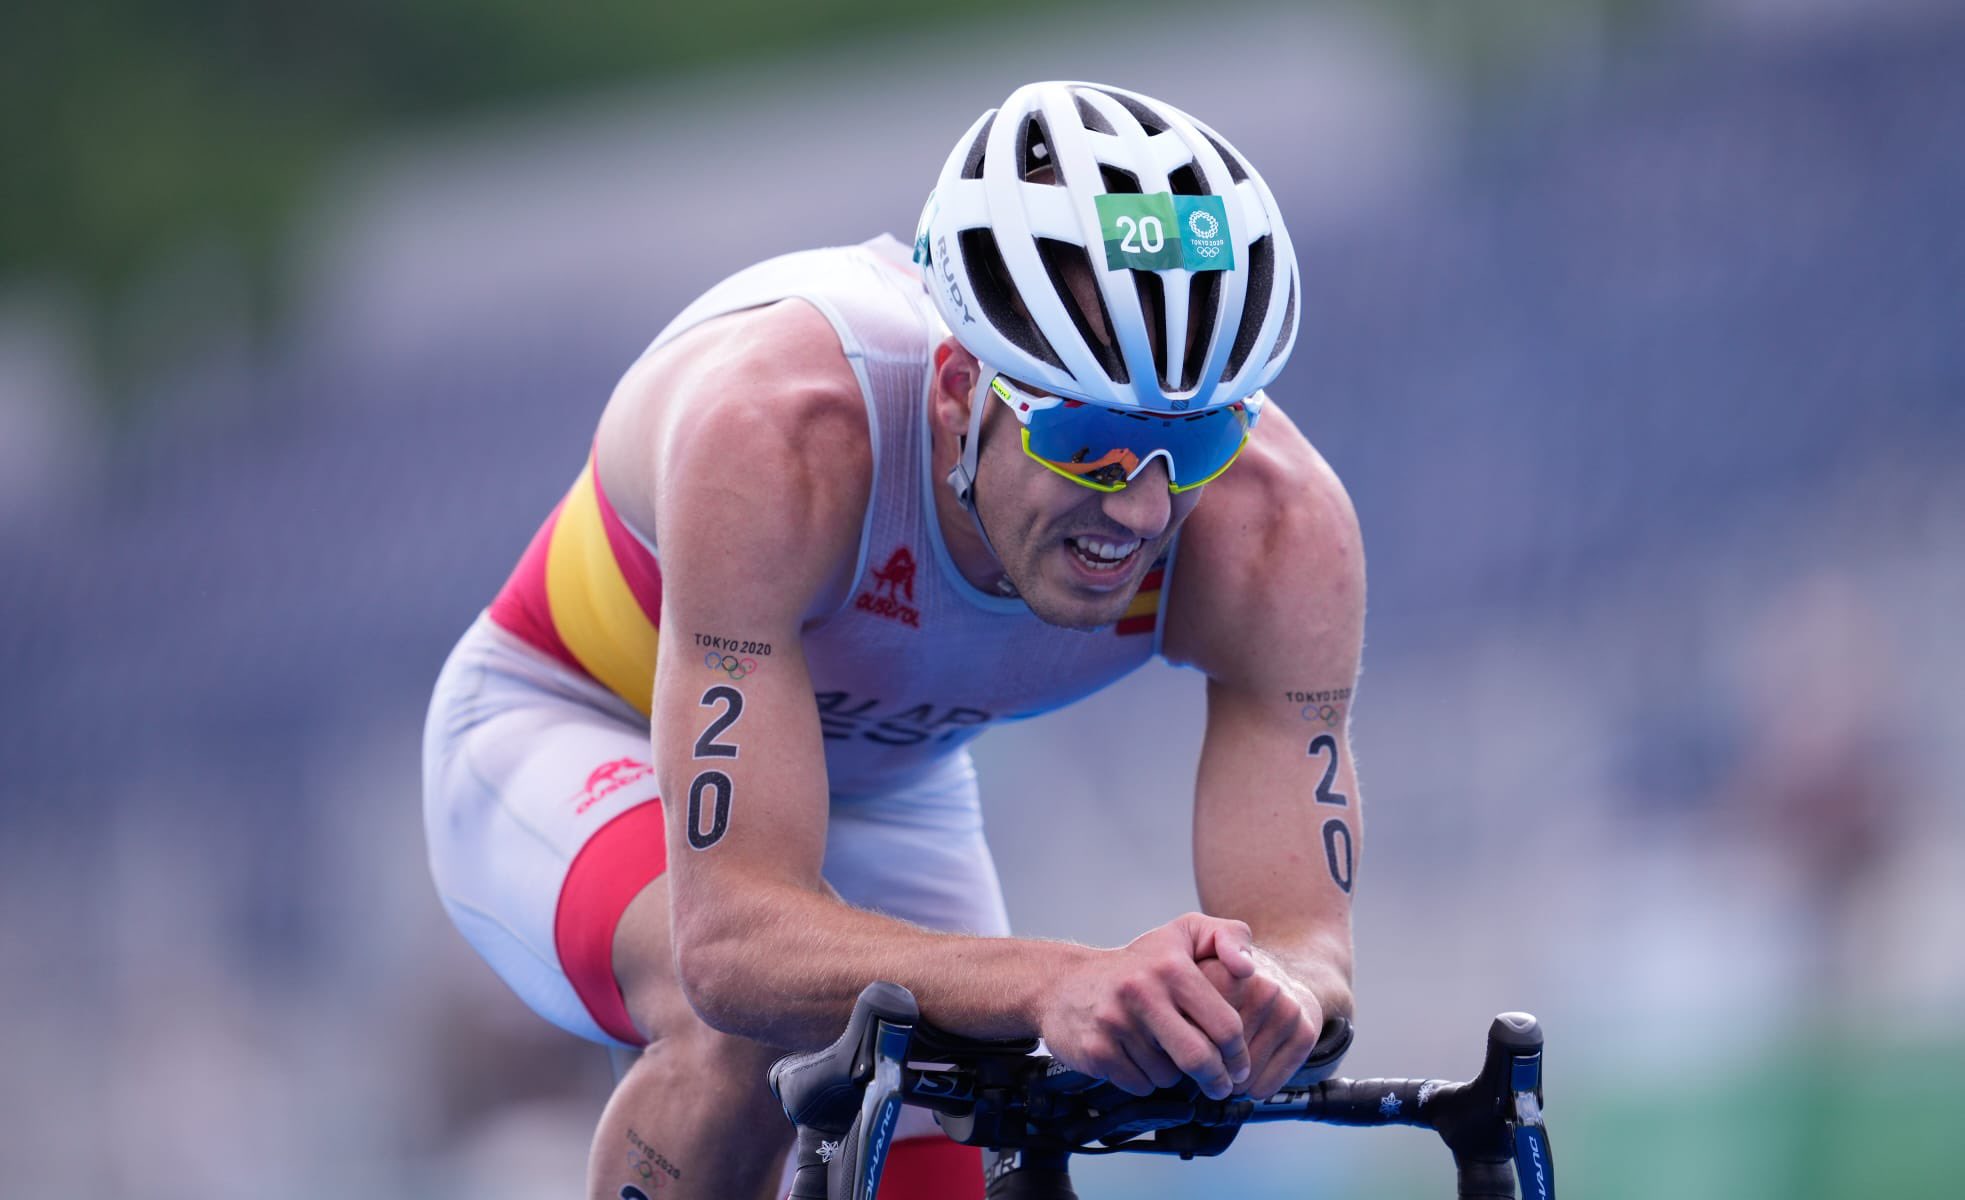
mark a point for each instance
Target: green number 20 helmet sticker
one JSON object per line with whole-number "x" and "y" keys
{"x": 1165, "y": 232}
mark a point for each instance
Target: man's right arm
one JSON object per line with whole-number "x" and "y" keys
{"x": 760, "y": 497}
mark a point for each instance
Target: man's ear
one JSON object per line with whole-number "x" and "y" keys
{"x": 955, "y": 382}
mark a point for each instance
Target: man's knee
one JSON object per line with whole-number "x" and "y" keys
{"x": 610, "y": 928}
{"x": 684, "y": 1037}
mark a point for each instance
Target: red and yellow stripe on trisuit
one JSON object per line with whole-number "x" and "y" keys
{"x": 589, "y": 593}
{"x": 1144, "y": 612}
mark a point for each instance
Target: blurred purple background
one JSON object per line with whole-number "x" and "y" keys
{"x": 1645, "y": 365}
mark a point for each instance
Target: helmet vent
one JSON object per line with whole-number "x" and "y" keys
{"x": 972, "y": 163}
{"x": 1186, "y": 181}
{"x": 1062, "y": 260}
{"x": 1289, "y": 324}
{"x": 1093, "y": 119}
{"x": 1147, "y": 118}
{"x": 1153, "y": 306}
{"x": 1035, "y": 162}
{"x": 1203, "y": 311}
{"x": 996, "y": 295}
{"x": 1255, "y": 305}
{"x": 1237, "y": 169}
{"x": 1116, "y": 180}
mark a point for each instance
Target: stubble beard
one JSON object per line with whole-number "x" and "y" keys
{"x": 1057, "y": 604}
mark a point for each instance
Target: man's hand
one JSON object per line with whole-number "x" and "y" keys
{"x": 1281, "y": 1018}
{"x": 1144, "y": 1015}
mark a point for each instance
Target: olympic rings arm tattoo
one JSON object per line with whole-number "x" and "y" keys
{"x": 735, "y": 657}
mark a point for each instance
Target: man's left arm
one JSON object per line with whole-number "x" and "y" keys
{"x": 1275, "y": 617}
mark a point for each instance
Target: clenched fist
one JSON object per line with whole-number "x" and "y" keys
{"x": 1145, "y": 1015}
{"x": 1280, "y": 1017}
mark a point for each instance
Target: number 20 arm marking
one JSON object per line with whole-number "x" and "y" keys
{"x": 715, "y": 782}
{"x": 1338, "y": 854}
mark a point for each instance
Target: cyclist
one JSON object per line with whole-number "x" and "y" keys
{"x": 867, "y": 504}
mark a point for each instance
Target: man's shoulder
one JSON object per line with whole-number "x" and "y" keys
{"x": 762, "y": 389}
{"x": 1279, "y": 503}
{"x": 1273, "y": 544}
{"x": 760, "y": 410}
{"x": 776, "y": 360}
{"x": 777, "y": 363}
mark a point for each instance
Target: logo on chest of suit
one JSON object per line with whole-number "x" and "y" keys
{"x": 893, "y": 590}
{"x": 843, "y": 716}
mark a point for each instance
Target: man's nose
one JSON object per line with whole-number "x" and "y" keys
{"x": 1144, "y": 505}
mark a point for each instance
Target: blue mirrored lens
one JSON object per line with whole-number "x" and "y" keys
{"x": 1087, "y": 436}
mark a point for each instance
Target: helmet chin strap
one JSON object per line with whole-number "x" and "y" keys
{"x": 962, "y": 476}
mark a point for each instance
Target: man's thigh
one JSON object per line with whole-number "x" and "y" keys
{"x": 543, "y": 823}
{"x": 547, "y": 846}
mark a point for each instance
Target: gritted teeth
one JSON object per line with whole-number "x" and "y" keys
{"x": 1102, "y": 552}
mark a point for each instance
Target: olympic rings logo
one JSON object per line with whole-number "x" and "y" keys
{"x": 1327, "y": 713}
{"x": 729, "y": 664}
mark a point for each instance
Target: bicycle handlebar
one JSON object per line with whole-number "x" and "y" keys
{"x": 1004, "y": 1096}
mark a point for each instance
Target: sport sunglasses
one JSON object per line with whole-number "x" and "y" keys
{"x": 1106, "y": 448}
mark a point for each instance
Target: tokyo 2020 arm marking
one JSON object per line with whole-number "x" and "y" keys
{"x": 1325, "y": 707}
{"x": 649, "y": 1166}
{"x": 712, "y": 783}
{"x": 735, "y": 657}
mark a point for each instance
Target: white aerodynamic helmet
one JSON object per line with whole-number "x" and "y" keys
{"x": 1182, "y": 237}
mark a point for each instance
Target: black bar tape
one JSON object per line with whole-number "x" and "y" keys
{"x": 1487, "y": 1180}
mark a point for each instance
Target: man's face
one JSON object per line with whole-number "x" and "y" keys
{"x": 1075, "y": 555}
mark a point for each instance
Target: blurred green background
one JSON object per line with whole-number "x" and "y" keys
{"x": 1633, "y": 328}
{"x": 150, "y": 147}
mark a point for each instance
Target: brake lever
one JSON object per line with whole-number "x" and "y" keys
{"x": 1520, "y": 1036}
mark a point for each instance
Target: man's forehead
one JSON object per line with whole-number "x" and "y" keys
{"x": 1076, "y": 272}
{"x": 1084, "y": 290}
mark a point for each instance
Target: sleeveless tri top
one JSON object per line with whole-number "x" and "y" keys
{"x": 916, "y": 661}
